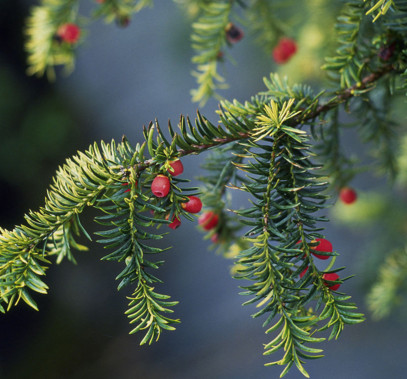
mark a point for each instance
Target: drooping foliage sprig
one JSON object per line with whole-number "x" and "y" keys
{"x": 281, "y": 148}
{"x": 286, "y": 191}
{"x": 209, "y": 40}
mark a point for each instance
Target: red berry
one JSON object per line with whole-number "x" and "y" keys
{"x": 285, "y": 49}
{"x": 161, "y": 186}
{"x": 69, "y": 33}
{"x": 176, "y": 222}
{"x": 324, "y": 246}
{"x": 208, "y": 220}
{"x": 303, "y": 272}
{"x": 348, "y": 195}
{"x": 233, "y": 33}
{"x": 177, "y": 168}
{"x": 215, "y": 238}
{"x": 331, "y": 276}
{"x": 193, "y": 205}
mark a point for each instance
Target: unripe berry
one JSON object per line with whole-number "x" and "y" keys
{"x": 324, "y": 246}
{"x": 331, "y": 276}
{"x": 193, "y": 205}
{"x": 233, "y": 33}
{"x": 69, "y": 33}
{"x": 176, "y": 222}
{"x": 285, "y": 49}
{"x": 161, "y": 186}
{"x": 177, "y": 168}
{"x": 347, "y": 195}
{"x": 303, "y": 272}
{"x": 208, "y": 220}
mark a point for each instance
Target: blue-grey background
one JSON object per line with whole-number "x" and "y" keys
{"x": 125, "y": 78}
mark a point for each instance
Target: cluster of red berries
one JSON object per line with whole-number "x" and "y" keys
{"x": 284, "y": 50}
{"x": 161, "y": 186}
{"x": 347, "y": 195}
{"x": 69, "y": 33}
{"x": 324, "y": 246}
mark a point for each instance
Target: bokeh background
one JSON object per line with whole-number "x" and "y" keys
{"x": 124, "y": 78}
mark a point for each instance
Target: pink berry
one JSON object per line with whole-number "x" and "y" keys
{"x": 177, "y": 168}
{"x": 176, "y": 222}
{"x": 284, "y": 50}
{"x": 347, "y": 195}
{"x": 161, "y": 186}
{"x": 324, "y": 246}
{"x": 331, "y": 276}
{"x": 193, "y": 205}
{"x": 208, "y": 220}
{"x": 233, "y": 33}
{"x": 215, "y": 238}
{"x": 69, "y": 33}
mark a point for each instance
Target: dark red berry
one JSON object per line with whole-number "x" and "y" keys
{"x": 386, "y": 52}
{"x": 177, "y": 168}
{"x": 348, "y": 195}
{"x": 284, "y": 50}
{"x": 324, "y": 246}
{"x": 208, "y": 220}
{"x": 233, "y": 33}
{"x": 303, "y": 272}
{"x": 176, "y": 222}
{"x": 161, "y": 186}
{"x": 331, "y": 276}
{"x": 69, "y": 33}
{"x": 122, "y": 21}
{"x": 193, "y": 205}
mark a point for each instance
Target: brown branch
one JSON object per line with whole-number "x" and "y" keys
{"x": 342, "y": 96}
{"x": 347, "y": 93}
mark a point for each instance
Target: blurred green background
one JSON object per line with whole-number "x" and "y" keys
{"x": 123, "y": 79}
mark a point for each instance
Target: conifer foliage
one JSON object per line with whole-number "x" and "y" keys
{"x": 282, "y": 147}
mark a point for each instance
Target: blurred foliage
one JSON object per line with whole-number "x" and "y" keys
{"x": 37, "y": 124}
